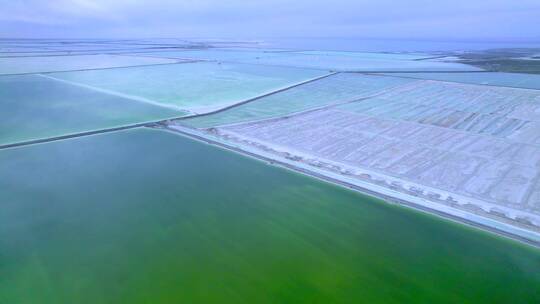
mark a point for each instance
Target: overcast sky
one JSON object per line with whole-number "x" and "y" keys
{"x": 410, "y": 19}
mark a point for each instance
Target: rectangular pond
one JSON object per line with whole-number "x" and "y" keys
{"x": 35, "y": 107}
{"x": 358, "y": 63}
{"x": 148, "y": 216}
{"x": 216, "y": 54}
{"x": 370, "y": 55}
{"x": 526, "y": 81}
{"x": 28, "y": 65}
{"x": 324, "y": 60}
{"x": 488, "y": 110}
{"x": 330, "y": 90}
{"x": 197, "y": 87}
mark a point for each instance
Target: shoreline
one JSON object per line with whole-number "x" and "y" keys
{"x": 388, "y": 195}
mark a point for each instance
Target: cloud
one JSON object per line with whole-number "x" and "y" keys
{"x": 55, "y": 11}
{"x": 239, "y": 18}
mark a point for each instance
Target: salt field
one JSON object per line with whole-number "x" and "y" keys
{"x": 370, "y": 55}
{"x": 338, "y": 61}
{"x": 216, "y": 55}
{"x": 334, "y": 89}
{"x": 499, "y": 112}
{"x": 142, "y": 214}
{"x": 490, "y": 170}
{"x": 361, "y": 64}
{"x": 475, "y": 148}
{"x": 215, "y": 171}
{"x": 28, "y": 65}
{"x": 472, "y": 147}
{"x": 526, "y": 81}
{"x": 36, "y": 107}
{"x": 196, "y": 87}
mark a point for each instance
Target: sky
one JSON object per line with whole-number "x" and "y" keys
{"x": 477, "y": 20}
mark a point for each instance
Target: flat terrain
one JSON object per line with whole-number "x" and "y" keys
{"x": 166, "y": 170}
{"x": 336, "y": 88}
{"x": 524, "y": 81}
{"x": 29, "y": 65}
{"x": 35, "y": 107}
{"x": 195, "y": 86}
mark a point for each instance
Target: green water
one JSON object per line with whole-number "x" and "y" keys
{"x": 147, "y": 216}
{"x": 34, "y": 107}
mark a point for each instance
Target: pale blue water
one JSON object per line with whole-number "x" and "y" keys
{"x": 193, "y": 86}
{"x": 529, "y": 81}
{"x": 334, "y": 89}
{"x": 23, "y": 65}
{"x": 358, "y": 63}
{"x": 217, "y": 54}
{"x": 370, "y": 55}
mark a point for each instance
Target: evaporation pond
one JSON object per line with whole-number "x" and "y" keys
{"x": 198, "y": 87}
{"x": 526, "y": 81}
{"x": 370, "y": 55}
{"x": 147, "y": 216}
{"x": 25, "y": 65}
{"x": 35, "y": 107}
{"x": 338, "y": 88}
{"x": 218, "y": 55}
{"x": 359, "y": 63}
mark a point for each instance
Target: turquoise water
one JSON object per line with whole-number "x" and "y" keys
{"x": 527, "y": 81}
{"x": 193, "y": 86}
{"x": 357, "y": 63}
{"x": 23, "y": 65}
{"x": 146, "y": 216}
{"x": 326, "y": 60}
{"x": 369, "y": 55}
{"x": 333, "y": 89}
{"x": 219, "y": 55}
{"x": 34, "y": 107}
{"x": 231, "y": 54}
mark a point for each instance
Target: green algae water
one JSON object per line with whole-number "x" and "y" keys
{"x": 147, "y": 216}
{"x": 34, "y": 107}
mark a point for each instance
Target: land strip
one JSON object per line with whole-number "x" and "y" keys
{"x": 75, "y": 135}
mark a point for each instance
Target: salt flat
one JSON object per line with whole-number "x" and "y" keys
{"x": 184, "y": 178}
